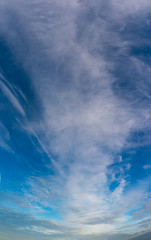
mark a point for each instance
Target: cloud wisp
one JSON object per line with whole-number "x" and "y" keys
{"x": 90, "y": 76}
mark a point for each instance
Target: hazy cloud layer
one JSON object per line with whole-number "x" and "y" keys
{"x": 78, "y": 81}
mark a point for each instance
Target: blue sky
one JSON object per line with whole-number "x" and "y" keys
{"x": 75, "y": 113}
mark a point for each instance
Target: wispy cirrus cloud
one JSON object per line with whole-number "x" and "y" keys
{"x": 10, "y": 94}
{"x": 93, "y": 86}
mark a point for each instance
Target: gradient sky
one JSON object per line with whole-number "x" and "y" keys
{"x": 75, "y": 119}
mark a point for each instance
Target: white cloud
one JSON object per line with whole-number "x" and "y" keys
{"x": 147, "y": 166}
{"x": 81, "y": 111}
{"x": 84, "y": 121}
{"x": 10, "y": 94}
{"x": 128, "y": 7}
{"x": 43, "y": 230}
{"x": 4, "y": 137}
